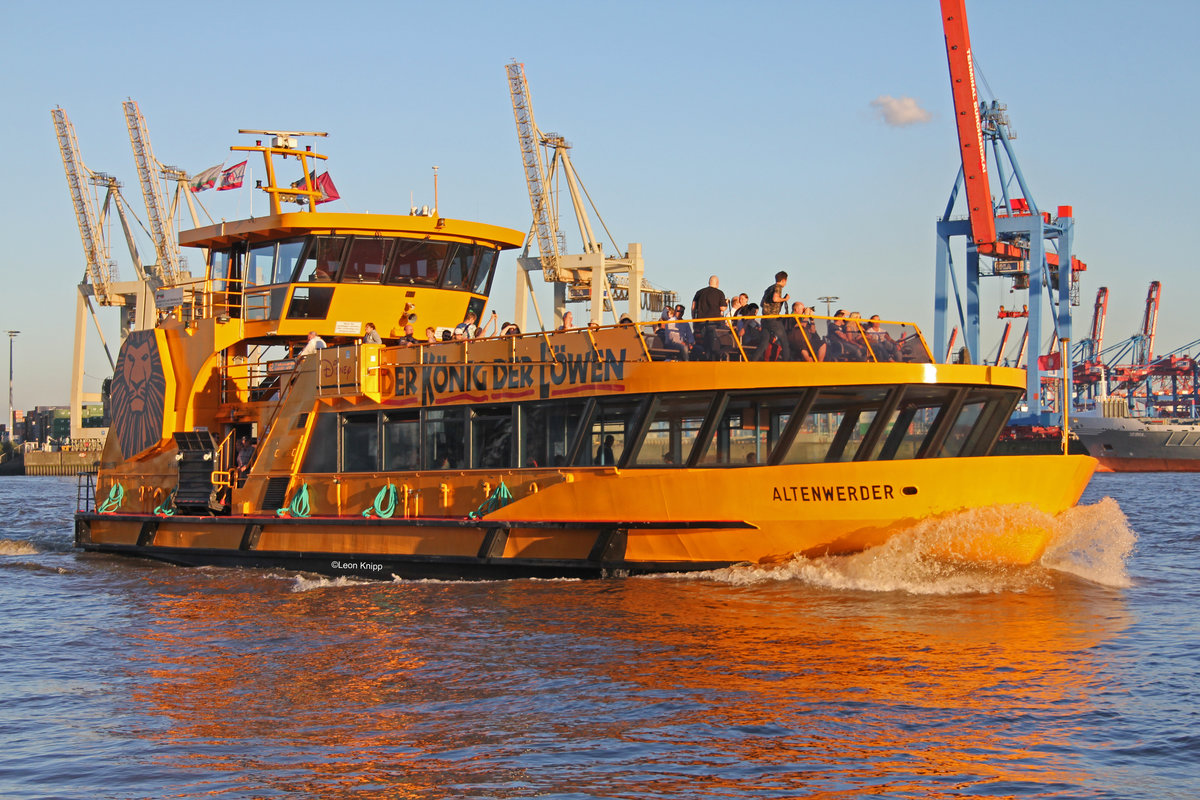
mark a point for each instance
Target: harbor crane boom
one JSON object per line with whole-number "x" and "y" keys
{"x": 170, "y": 267}
{"x": 590, "y": 276}
{"x": 1009, "y": 237}
{"x": 100, "y": 269}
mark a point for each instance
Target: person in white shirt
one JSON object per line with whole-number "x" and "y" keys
{"x": 314, "y": 344}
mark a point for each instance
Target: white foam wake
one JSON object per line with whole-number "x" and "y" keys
{"x": 1091, "y": 542}
{"x": 9, "y": 547}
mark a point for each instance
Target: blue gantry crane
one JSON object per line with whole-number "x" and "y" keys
{"x": 1009, "y": 237}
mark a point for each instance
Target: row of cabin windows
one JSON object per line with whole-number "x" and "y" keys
{"x": 694, "y": 429}
{"x": 355, "y": 259}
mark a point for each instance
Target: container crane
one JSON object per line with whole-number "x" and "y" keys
{"x": 100, "y": 280}
{"x": 1018, "y": 240}
{"x": 1088, "y": 370}
{"x": 590, "y": 276}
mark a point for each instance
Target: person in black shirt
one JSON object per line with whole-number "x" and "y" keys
{"x": 707, "y": 305}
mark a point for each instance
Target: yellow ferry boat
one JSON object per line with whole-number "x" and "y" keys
{"x": 575, "y": 453}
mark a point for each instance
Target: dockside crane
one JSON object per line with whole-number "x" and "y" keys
{"x": 100, "y": 279}
{"x": 1088, "y": 369}
{"x": 1011, "y": 238}
{"x": 589, "y": 276}
{"x": 171, "y": 267}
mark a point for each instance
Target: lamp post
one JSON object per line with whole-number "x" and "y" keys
{"x": 828, "y": 301}
{"x": 11, "y": 416}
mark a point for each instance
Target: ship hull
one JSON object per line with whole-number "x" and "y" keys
{"x": 1124, "y": 444}
{"x": 638, "y": 522}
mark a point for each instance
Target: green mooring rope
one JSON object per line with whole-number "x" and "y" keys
{"x": 116, "y": 496}
{"x": 498, "y": 499}
{"x": 385, "y": 503}
{"x": 167, "y": 507}
{"x": 299, "y": 506}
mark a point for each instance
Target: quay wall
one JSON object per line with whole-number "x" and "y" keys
{"x": 63, "y": 462}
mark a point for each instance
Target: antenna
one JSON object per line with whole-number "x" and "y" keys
{"x": 435, "y": 191}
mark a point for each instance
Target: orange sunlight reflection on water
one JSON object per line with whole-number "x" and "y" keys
{"x": 807, "y": 681}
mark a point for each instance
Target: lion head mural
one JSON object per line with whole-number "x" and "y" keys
{"x": 138, "y": 394}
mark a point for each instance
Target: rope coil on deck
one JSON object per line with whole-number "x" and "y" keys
{"x": 299, "y": 507}
{"x": 167, "y": 507}
{"x": 116, "y": 496}
{"x": 385, "y": 503}
{"x": 498, "y": 499}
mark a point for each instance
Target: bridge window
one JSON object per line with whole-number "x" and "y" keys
{"x": 323, "y": 260}
{"x": 310, "y": 302}
{"x": 260, "y": 265}
{"x": 366, "y": 260}
{"x": 484, "y": 266}
{"x": 286, "y": 259}
{"x": 459, "y": 267}
{"x": 417, "y": 262}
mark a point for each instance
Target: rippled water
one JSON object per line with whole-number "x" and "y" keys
{"x": 889, "y": 673}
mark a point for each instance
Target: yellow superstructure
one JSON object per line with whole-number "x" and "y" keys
{"x": 578, "y": 452}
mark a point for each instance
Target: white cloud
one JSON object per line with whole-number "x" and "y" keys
{"x": 900, "y": 111}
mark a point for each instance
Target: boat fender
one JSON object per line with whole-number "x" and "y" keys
{"x": 299, "y": 507}
{"x": 116, "y": 496}
{"x": 385, "y": 503}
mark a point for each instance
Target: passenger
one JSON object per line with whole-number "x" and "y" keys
{"x": 409, "y": 338}
{"x": 719, "y": 336}
{"x": 314, "y": 344}
{"x": 669, "y": 336}
{"x": 372, "y": 335}
{"x": 465, "y": 329}
{"x": 604, "y": 453}
{"x": 509, "y": 329}
{"x": 626, "y": 320}
{"x": 568, "y": 322}
{"x": 882, "y": 343}
{"x": 842, "y": 346}
{"x": 245, "y": 454}
{"x": 431, "y": 335}
{"x": 707, "y": 304}
{"x": 493, "y": 320}
{"x": 774, "y": 301}
{"x": 807, "y": 344}
{"x": 748, "y": 329}
{"x": 685, "y": 328}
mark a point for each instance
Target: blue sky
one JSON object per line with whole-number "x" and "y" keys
{"x": 728, "y": 139}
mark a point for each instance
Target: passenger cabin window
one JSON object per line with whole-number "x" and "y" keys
{"x": 491, "y": 436}
{"x": 696, "y": 429}
{"x": 548, "y": 430}
{"x": 360, "y": 442}
{"x": 321, "y": 455}
{"x": 610, "y": 428}
{"x": 672, "y": 431}
{"x": 401, "y": 440}
{"x": 218, "y": 271}
{"x": 310, "y": 302}
{"x": 445, "y": 438}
